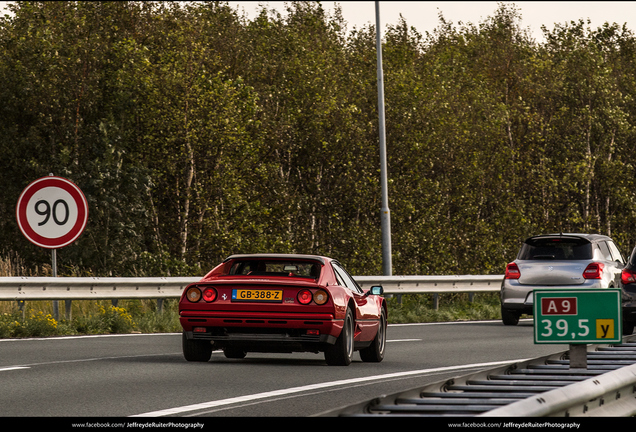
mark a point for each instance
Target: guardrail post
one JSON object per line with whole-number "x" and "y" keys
{"x": 21, "y": 308}
{"x": 578, "y": 356}
{"x": 160, "y": 305}
{"x": 67, "y": 309}
{"x": 435, "y": 301}
{"x": 56, "y": 310}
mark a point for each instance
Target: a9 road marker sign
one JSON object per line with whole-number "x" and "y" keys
{"x": 558, "y": 306}
{"x": 577, "y": 316}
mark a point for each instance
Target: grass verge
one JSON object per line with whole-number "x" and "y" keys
{"x": 36, "y": 318}
{"x": 415, "y": 308}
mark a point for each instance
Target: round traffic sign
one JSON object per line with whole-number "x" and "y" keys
{"x": 52, "y": 212}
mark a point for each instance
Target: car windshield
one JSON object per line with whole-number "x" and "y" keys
{"x": 276, "y": 268}
{"x": 556, "y": 249}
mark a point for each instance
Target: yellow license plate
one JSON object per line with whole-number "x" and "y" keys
{"x": 257, "y": 295}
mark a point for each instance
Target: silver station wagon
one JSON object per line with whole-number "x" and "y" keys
{"x": 558, "y": 261}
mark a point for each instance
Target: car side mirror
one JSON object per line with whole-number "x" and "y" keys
{"x": 375, "y": 290}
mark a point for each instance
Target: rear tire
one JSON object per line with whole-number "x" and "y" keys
{"x": 341, "y": 353}
{"x": 196, "y": 350}
{"x": 628, "y": 328}
{"x": 509, "y": 317}
{"x": 375, "y": 351}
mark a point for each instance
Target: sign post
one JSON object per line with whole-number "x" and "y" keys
{"x": 577, "y": 317}
{"x": 52, "y": 213}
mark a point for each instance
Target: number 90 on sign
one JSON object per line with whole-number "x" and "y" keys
{"x": 52, "y": 212}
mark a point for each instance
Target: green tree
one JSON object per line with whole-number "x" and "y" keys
{"x": 58, "y": 119}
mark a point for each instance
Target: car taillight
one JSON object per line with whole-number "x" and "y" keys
{"x": 193, "y": 294}
{"x": 305, "y": 296}
{"x": 321, "y": 297}
{"x": 512, "y": 271}
{"x": 209, "y": 295}
{"x": 628, "y": 276}
{"x": 593, "y": 271}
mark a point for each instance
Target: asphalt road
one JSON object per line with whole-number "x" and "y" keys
{"x": 146, "y": 375}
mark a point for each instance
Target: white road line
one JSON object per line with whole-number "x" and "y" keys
{"x": 340, "y": 383}
{"x": 58, "y": 338}
{"x": 529, "y": 320}
{"x": 10, "y": 368}
{"x": 405, "y": 340}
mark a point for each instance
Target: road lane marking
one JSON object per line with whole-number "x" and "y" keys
{"x": 405, "y": 340}
{"x": 525, "y": 320}
{"x": 92, "y": 359}
{"x": 292, "y": 390}
{"x": 10, "y": 368}
{"x": 59, "y": 338}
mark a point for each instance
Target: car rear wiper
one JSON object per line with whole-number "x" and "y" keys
{"x": 543, "y": 257}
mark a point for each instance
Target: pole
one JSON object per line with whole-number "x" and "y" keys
{"x": 385, "y": 213}
{"x": 56, "y": 303}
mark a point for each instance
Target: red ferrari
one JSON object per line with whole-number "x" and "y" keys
{"x": 282, "y": 303}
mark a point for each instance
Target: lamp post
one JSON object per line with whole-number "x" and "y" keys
{"x": 387, "y": 267}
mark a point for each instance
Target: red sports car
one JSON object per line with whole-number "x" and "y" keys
{"x": 282, "y": 303}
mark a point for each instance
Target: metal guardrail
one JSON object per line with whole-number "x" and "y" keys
{"x": 608, "y": 395}
{"x": 88, "y": 288}
{"x": 433, "y": 284}
{"x": 544, "y": 387}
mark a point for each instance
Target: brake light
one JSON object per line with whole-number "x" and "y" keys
{"x": 628, "y": 276}
{"x": 305, "y": 296}
{"x": 209, "y": 295}
{"x": 512, "y": 271}
{"x": 593, "y": 271}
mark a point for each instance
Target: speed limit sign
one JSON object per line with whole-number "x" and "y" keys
{"x": 52, "y": 212}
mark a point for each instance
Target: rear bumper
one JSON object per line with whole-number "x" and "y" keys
{"x": 262, "y": 332}
{"x": 260, "y": 342}
{"x": 522, "y": 308}
{"x": 516, "y": 297}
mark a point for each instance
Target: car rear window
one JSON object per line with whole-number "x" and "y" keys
{"x": 556, "y": 249}
{"x": 276, "y": 268}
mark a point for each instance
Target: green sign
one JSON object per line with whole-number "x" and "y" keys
{"x": 574, "y": 316}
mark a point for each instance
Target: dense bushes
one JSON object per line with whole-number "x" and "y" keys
{"x": 196, "y": 133}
